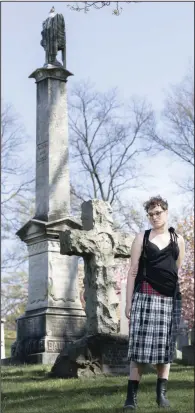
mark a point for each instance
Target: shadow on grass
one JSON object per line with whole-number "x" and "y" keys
{"x": 25, "y": 379}
{"x": 62, "y": 405}
{"x": 45, "y": 374}
{"x": 7, "y": 373}
{"x": 42, "y": 377}
{"x": 67, "y": 397}
{"x": 96, "y": 391}
{"x": 146, "y": 409}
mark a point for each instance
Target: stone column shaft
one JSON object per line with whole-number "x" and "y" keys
{"x": 52, "y": 169}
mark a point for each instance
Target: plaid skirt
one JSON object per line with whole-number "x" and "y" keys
{"x": 154, "y": 324}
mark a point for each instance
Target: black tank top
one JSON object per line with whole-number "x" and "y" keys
{"x": 158, "y": 267}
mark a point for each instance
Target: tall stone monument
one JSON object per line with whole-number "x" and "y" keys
{"x": 54, "y": 314}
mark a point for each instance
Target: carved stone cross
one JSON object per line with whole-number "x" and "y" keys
{"x": 99, "y": 244}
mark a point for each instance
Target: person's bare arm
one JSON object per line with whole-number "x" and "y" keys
{"x": 181, "y": 245}
{"x": 136, "y": 250}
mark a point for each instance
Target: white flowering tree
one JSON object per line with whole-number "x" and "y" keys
{"x": 186, "y": 274}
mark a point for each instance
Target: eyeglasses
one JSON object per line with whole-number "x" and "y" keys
{"x": 152, "y": 214}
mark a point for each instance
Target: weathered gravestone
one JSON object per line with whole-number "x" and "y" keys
{"x": 182, "y": 339}
{"x": 189, "y": 350}
{"x": 101, "y": 350}
{"x": 54, "y": 315}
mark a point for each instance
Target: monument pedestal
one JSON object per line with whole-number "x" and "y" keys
{"x": 54, "y": 315}
{"x": 98, "y": 354}
{"x": 42, "y": 335}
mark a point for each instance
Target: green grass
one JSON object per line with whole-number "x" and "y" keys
{"x": 28, "y": 389}
{"x": 8, "y": 343}
{"x": 10, "y": 337}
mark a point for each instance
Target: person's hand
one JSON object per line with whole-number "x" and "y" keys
{"x": 127, "y": 311}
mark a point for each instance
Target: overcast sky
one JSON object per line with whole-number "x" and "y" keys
{"x": 144, "y": 50}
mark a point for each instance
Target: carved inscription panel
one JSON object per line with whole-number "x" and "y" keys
{"x": 63, "y": 279}
{"x": 38, "y": 281}
{"x": 115, "y": 354}
{"x": 42, "y": 152}
{"x": 66, "y": 326}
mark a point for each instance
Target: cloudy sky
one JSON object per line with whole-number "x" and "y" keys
{"x": 143, "y": 51}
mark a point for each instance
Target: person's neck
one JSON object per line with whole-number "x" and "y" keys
{"x": 161, "y": 230}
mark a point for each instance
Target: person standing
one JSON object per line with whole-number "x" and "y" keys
{"x": 153, "y": 301}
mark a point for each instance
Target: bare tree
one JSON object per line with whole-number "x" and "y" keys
{"x": 17, "y": 185}
{"x": 86, "y": 6}
{"x": 106, "y": 140}
{"x": 177, "y": 136}
{"x": 14, "y": 294}
{"x": 130, "y": 217}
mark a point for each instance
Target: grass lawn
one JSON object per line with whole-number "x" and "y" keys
{"x": 10, "y": 337}
{"x": 28, "y": 390}
{"x": 8, "y": 343}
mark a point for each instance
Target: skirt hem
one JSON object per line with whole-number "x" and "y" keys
{"x": 149, "y": 362}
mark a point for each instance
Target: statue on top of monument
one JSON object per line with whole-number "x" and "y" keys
{"x": 54, "y": 39}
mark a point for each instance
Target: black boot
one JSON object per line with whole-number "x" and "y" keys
{"x": 131, "y": 400}
{"x": 161, "y": 389}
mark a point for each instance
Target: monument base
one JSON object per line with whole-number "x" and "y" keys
{"x": 43, "y": 334}
{"x": 38, "y": 358}
{"x": 99, "y": 354}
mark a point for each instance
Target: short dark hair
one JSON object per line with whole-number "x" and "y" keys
{"x": 156, "y": 201}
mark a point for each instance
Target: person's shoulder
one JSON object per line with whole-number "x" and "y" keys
{"x": 180, "y": 238}
{"x": 138, "y": 243}
{"x": 139, "y": 237}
